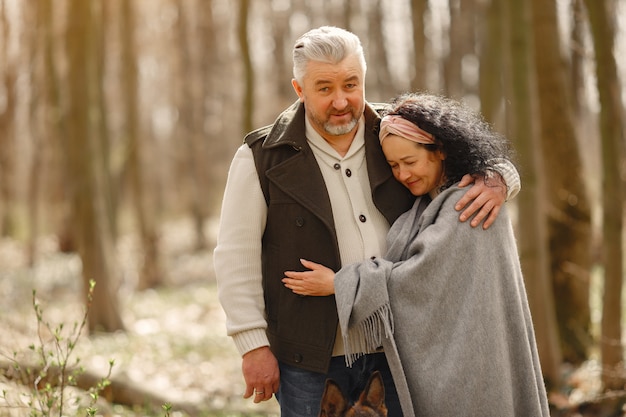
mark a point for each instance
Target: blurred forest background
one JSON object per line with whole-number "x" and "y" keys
{"x": 119, "y": 118}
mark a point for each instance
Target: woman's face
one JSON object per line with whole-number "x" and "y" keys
{"x": 418, "y": 169}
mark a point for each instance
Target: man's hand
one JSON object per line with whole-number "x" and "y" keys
{"x": 260, "y": 371}
{"x": 486, "y": 197}
{"x": 319, "y": 281}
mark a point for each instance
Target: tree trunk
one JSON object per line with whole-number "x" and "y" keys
{"x": 110, "y": 195}
{"x": 491, "y": 47}
{"x": 611, "y": 128}
{"x": 150, "y": 271}
{"x": 569, "y": 224}
{"x": 53, "y": 129}
{"x": 192, "y": 103}
{"x": 281, "y": 67}
{"x": 420, "y": 63}
{"x": 210, "y": 124}
{"x": 93, "y": 235}
{"x": 119, "y": 390}
{"x": 36, "y": 108}
{"x": 577, "y": 56}
{"x": 461, "y": 45}
{"x": 204, "y": 38}
{"x": 533, "y": 239}
{"x": 244, "y": 46}
{"x": 383, "y": 83}
{"x": 7, "y": 133}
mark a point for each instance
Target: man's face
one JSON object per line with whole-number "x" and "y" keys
{"x": 333, "y": 97}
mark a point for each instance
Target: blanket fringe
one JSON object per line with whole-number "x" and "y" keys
{"x": 367, "y": 335}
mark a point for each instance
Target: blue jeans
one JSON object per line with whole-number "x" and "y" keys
{"x": 300, "y": 391}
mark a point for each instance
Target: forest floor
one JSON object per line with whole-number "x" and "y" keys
{"x": 174, "y": 350}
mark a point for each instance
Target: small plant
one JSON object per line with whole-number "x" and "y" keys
{"x": 56, "y": 369}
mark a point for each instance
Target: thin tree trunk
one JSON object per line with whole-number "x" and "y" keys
{"x": 491, "y": 47}
{"x": 348, "y": 10}
{"x": 210, "y": 124}
{"x": 54, "y": 128}
{"x": 203, "y": 33}
{"x": 533, "y": 239}
{"x": 611, "y": 128}
{"x": 577, "y": 56}
{"x": 244, "y": 46}
{"x": 281, "y": 67}
{"x": 150, "y": 271}
{"x": 39, "y": 146}
{"x": 569, "y": 225}
{"x": 419, "y": 9}
{"x": 461, "y": 41}
{"x": 93, "y": 235}
{"x": 7, "y": 133}
{"x": 110, "y": 196}
{"x": 192, "y": 104}
{"x": 377, "y": 53}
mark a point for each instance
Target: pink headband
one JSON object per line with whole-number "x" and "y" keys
{"x": 396, "y": 125}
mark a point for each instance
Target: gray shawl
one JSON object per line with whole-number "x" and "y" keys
{"x": 449, "y": 306}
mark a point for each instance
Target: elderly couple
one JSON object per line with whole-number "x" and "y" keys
{"x": 341, "y": 251}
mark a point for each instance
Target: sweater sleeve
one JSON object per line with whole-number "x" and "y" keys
{"x": 511, "y": 177}
{"x": 237, "y": 255}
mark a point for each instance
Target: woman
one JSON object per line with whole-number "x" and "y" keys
{"x": 448, "y": 302}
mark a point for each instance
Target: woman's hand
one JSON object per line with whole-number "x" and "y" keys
{"x": 318, "y": 281}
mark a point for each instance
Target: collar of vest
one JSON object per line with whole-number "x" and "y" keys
{"x": 390, "y": 196}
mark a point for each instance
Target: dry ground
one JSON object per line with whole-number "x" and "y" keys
{"x": 175, "y": 345}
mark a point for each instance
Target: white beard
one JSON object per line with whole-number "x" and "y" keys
{"x": 341, "y": 129}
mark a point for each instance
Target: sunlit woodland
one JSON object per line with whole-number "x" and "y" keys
{"x": 118, "y": 121}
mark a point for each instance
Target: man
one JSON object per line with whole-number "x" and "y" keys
{"x": 314, "y": 185}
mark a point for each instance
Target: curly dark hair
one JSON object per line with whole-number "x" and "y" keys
{"x": 469, "y": 142}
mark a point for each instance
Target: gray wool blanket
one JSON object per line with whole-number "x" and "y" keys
{"x": 449, "y": 306}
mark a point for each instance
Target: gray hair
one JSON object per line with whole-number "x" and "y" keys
{"x": 327, "y": 44}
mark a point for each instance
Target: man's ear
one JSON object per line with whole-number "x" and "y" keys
{"x": 298, "y": 89}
